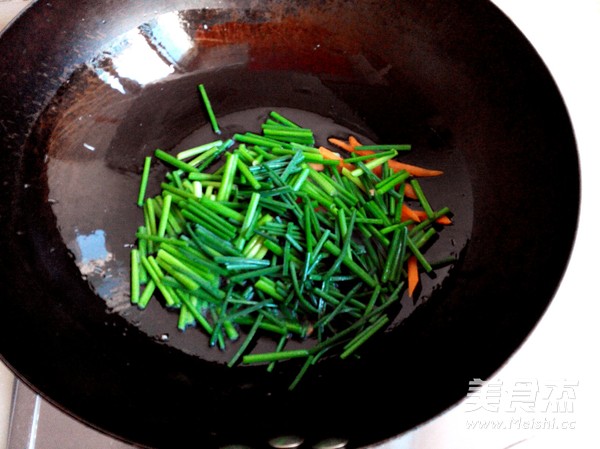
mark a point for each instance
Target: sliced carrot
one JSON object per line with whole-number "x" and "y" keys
{"x": 409, "y": 214}
{"x": 409, "y": 192}
{"x": 332, "y": 155}
{"x": 414, "y": 170}
{"x": 412, "y": 271}
{"x": 328, "y": 154}
{"x": 444, "y": 220}
{"x": 396, "y": 166}
{"x": 340, "y": 143}
{"x": 421, "y": 214}
{"x": 353, "y": 141}
{"x": 317, "y": 167}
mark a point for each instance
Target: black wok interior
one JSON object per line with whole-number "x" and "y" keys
{"x": 77, "y": 116}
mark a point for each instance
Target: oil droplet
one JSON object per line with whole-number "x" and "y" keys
{"x": 331, "y": 443}
{"x": 286, "y": 442}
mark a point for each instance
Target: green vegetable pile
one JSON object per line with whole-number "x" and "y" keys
{"x": 279, "y": 240}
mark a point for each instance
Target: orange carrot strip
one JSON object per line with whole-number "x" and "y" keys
{"x": 396, "y": 166}
{"x": 353, "y": 141}
{"x": 413, "y": 169}
{"x": 444, "y": 220}
{"x": 412, "y": 271}
{"x": 340, "y": 143}
{"x": 328, "y": 154}
{"x": 317, "y": 167}
{"x": 421, "y": 214}
{"x": 409, "y": 214}
{"x": 409, "y": 192}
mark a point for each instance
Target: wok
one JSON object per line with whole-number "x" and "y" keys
{"x": 89, "y": 88}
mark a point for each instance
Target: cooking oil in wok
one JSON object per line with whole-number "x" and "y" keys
{"x": 97, "y": 136}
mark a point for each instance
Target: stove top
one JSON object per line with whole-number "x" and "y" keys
{"x": 37, "y": 424}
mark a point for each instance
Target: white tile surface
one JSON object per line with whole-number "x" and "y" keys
{"x": 6, "y": 389}
{"x": 9, "y": 9}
